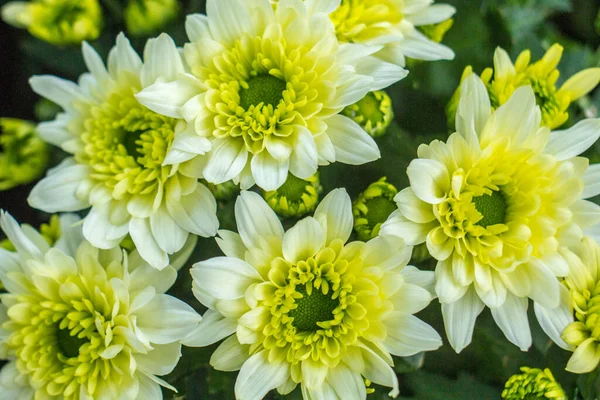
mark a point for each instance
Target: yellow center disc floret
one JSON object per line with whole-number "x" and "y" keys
{"x": 126, "y": 144}
{"x": 317, "y": 307}
{"x": 362, "y": 20}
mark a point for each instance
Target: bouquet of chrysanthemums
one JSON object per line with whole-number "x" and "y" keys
{"x": 236, "y": 199}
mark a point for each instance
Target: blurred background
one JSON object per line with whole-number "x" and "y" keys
{"x": 419, "y": 102}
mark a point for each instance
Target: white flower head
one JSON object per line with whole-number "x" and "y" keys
{"x": 266, "y": 88}
{"x": 391, "y": 27}
{"x": 119, "y": 164}
{"x": 496, "y": 205}
{"x": 305, "y": 307}
{"x": 82, "y": 323}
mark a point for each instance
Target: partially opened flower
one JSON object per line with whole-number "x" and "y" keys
{"x": 266, "y": 88}
{"x": 542, "y": 76}
{"x": 391, "y": 26}
{"x": 496, "y": 204}
{"x": 59, "y": 22}
{"x": 84, "y": 323}
{"x": 145, "y": 17}
{"x": 119, "y": 164}
{"x": 575, "y": 325}
{"x": 23, "y": 155}
{"x": 305, "y": 307}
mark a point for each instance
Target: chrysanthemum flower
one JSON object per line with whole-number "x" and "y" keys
{"x": 373, "y": 207}
{"x": 495, "y": 204}
{"x": 574, "y": 325}
{"x": 266, "y": 88}
{"x": 120, "y": 165}
{"x": 392, "y": 24}
{"x": 93, "y": 324}
{"x": 542, "y": 76}
{"x": 145, "y": 17}
{"x": 296, "y": 197}
{"x": 533, "y": 383}
{"x": 59, "y": 22}
{"x": 374, "y": 113}
{"x": 23, "y": 155}
{"x": 305, "y": 307}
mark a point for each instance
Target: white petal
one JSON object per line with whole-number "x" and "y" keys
{"x": 408, "y": 335}
{"x": 256, "y": 220}
{"x": 161, "y": 60}
{"x": 224, "y": 277}
{"x": 167, "y": 98}
{"x": 257, "y": 376}
{"x": 185, "y": 147}
{"x": 347, "y": 384}
{"x": 335, "y": 215}
{"x": 196, "y": 212}
{"x": 433, "y": 14}
{"x": 474, "y": 110}
{"x": 378, "y": 371}
{"x": 351, "y": 89}
{"x": 429, "y": 180}
{"x": 511, "y": 317}
{"x": 585, "y": 213}
{"x": 60, "y": 91}
{"x": 414, "y": 208}
{"x": 145, "y": 243}
{"x": 304, "y": 158}
{"x": 145, "y": 276}
{"x": 585, "y": 358}
{"x": 228, "y": 20}
{"x": 352, "y": 144}
{"x": 325, "y": 6}
{"x": 231, "y": 244}
{"x": 418, "y": 46}
{"x": 160, "y": 361}
{"x": 268, "y": 172}
{"x": 459, "y": 319}
{"x": 123, "y": 57}
{"x": 211, "y": 329}
{"x": 413, "y": 233}
{"x": 519, "y": 117}
{"x": 446, "y": 287}
{"x": 94, "y": 63}
{"x": 503, "y": 66}
{"x": 228, "y": 158}
{"x": 148, "y": 389}
{"x": 25, "y": 247}
{"x": 545, "y": 288}
{"x": 575, "y": 140}
{"x": 58, "y": 191}
{"x": 167, "y": 233}
{"x": 99, "y": 231}
{"x": 554, "y": 321}
{"x": 303, "y": 241}
{"x": 411, "y": 298}
{"x": 591, "y": 182}
{"x": 71, "y": 234}
{"x": 424, "y": 279}
{"x": 166, "y": 319}
{"x": 230, "y": 355}
{"x": 196, "y": 27}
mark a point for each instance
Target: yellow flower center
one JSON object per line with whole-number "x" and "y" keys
{"x": 261, "y": 88}
{"x": 492, "y": 208}
{"x": 69, "y": 345}
{"x": 361, "y": 20}
{"x": 311, "y": 309}
{"x": 265, "y": 89}
{"x": 317, "y": 307}
{"x": 126, "y": 144}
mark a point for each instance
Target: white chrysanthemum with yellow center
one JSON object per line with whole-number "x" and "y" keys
{"x": 266, "y": 88}
{"x": 575, "y": 325}
{"x": 305, "y": 307}
{"x": 495, "y": 205}
{"x": 392, "y": 24}
{"x": 89, "y": 325}
{"x": 132, "y": 166}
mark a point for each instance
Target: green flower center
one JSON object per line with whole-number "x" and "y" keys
{"x": 491, "y": 207}
{"x": 265, "y": 89}
{"x": 370, "y": 107}
{"x": 312, "y": 308}
{"x": 380, "y": 209}
{"x": 69, "y": 345}
{"x": 293, "y": 188}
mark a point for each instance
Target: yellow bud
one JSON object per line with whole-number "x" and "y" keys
{"x": 533, "y": 383}
{"x": 145, "y": 17}
{"x": 372, "y": 207}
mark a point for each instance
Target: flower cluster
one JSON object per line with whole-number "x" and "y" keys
{"x": 264, "y": 93}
